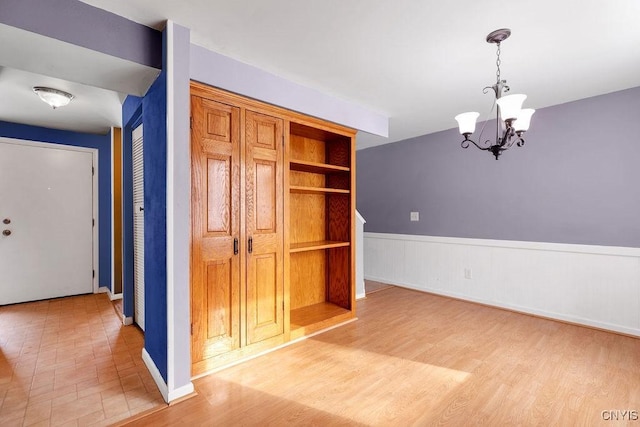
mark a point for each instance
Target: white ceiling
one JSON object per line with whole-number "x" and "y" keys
{"x": 419, "y": 62}
{"x": 93, "y": 110}
{"x": 99, "y": 82}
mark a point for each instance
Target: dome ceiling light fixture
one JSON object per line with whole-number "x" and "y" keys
{"x": 54, "y": 97}
{"x": 512, "y": 121}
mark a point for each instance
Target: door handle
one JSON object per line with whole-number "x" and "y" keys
{"x": 250, "y": 244}
{"x": 235, "y": 246}
{"x": 6, "y": 221}
{"x": 6, "y": 232}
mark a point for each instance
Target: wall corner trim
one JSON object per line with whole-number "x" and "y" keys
{"x": 511, "y": 244}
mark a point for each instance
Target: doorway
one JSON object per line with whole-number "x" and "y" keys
{"x": 48, "y": 219}
{"x": 138, "y": 225}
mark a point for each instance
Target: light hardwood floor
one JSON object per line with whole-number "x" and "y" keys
{"x": 373, "y": 286}
{"x": 419, "y": 359}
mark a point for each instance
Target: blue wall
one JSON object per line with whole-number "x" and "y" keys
{"x": 574, "y": 181}
{"x": 151, "y": 111}
{"x": 77, "y": 139}
{"x": 154, "y": 117}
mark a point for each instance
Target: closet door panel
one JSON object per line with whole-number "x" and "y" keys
{"x": 215, "y": 199}
{"x": 264, "y": 222}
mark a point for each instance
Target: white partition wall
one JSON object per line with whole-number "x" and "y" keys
{"x": 589, "y": 285}
{"x": 360, "y": 290}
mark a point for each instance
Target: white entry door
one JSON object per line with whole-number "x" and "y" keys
{"x": 138, "y": 226}
{"x": 46, "y": 215}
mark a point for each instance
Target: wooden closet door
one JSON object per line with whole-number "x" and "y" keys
{"x": 264, "y": 226}
{"x": 215, "y": 213}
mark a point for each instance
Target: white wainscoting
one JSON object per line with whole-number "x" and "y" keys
{"x": 597, "y": 286}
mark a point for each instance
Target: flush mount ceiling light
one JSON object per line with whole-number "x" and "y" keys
{"x": 54, "y": 97}
{"x": 512, "y": 121}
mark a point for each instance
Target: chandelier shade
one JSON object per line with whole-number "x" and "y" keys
{"x": 511, "y": 119}
{"x": 467, "y": 122}
{"x": 524, "y": 119}
{"x": 510, "y": 106}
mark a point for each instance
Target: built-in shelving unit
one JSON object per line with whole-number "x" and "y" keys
{"x": 321, "y": 229}
{"x": 273, "y": 213}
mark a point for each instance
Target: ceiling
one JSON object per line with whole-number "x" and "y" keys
{"x": 418, "y": 62}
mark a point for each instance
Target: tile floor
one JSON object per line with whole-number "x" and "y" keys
{"x": 70, "y": 361}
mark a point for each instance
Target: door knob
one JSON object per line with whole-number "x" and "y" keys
{"x": 6, "y": 221}
{"x": 6, "y": 232}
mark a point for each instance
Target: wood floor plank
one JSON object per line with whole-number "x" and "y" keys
{"x": 419, "y": 359}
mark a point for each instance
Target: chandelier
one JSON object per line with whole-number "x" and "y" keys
{"x": 512, "y": 121}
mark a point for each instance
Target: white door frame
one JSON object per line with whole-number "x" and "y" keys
{"x": 94, "y": 152}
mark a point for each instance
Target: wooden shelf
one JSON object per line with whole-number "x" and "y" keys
{"x": 316, "y": 190}
{"x": 312, "y": 246}
{"x": 314, "y": 167}
{"x": 316, "y": 314}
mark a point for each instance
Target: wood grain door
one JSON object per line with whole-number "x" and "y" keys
{"x": 264, "y": 226}
{"x": 215, "y": 199}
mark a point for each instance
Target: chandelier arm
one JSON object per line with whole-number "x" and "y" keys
{"x": 506, "y": 141}
{"x": 467, "y": 141}
{"x": 512, "y": 137}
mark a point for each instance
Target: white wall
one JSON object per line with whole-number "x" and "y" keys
{"x": 591, "y": 285}
{"x": 178, "y": 218}
{"x": 360, "y": 221}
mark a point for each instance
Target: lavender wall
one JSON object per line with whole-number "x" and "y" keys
{"x": 575, "y": 180}
{"x": 220, "y": 71}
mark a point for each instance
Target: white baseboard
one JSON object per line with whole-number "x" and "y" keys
{"x": 595, "y": 286}
{"x": 167, "y": 395}
{"x": 106, "y": 290}
{"x": 361, "y": 296}
{"x": 181, "y": 392}
{"x": 126, "y": 320}
{"x": 155, "y": 374}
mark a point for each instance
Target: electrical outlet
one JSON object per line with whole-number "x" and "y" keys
{"x": 415, "y": 216}
{"x": 468, "y": 273}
